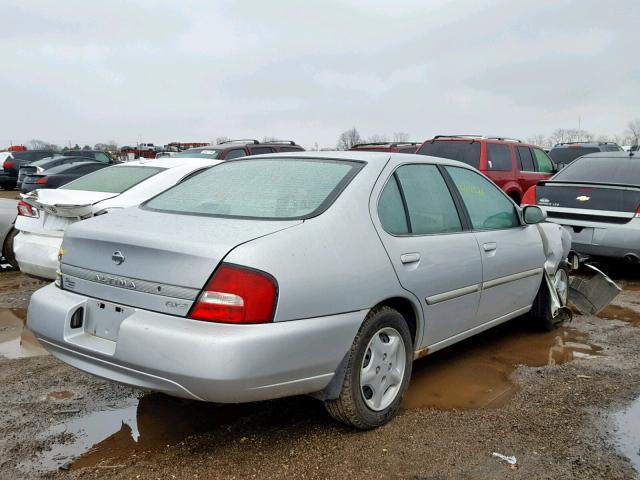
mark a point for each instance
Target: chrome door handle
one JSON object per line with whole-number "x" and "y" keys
{"x": 489, "y": 247}
{"x": 410, "y": 258}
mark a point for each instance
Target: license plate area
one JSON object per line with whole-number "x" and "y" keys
{"x": 103, "y": 319}
{"x": 582, "y": 235}
{"x": 54, "y": 222}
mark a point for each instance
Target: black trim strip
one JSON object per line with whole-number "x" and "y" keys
{"x": 404, "y": 200}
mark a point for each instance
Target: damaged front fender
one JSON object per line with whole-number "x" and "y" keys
{"x": 556, "y": 242}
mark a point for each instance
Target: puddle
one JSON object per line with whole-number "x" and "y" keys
{"x": 476, "y": 373}
{"x": 16, "y": 340}
{"x": 153, "y": 422}
{"x": 628, "y": 434}
{"x": 616, "y": 312}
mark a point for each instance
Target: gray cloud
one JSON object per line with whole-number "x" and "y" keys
{"x": 163, "y": 71}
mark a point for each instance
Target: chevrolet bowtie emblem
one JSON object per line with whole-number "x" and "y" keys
{"x": 582, "y": 198}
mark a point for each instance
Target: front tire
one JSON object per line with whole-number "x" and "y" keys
{"x": 541, "y": 310}
{"x": 378, "y": 371}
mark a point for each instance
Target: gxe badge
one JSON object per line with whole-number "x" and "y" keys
{"x": 118, "y": 257}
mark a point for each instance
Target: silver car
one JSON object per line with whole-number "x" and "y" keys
{"x": 304, "y": 273}
{"x": 597, "y": 198}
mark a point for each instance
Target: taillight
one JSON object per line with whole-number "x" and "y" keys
{"x": 41, "y": 181}
{"x": 638, "y": 212}
{"x": 27, "y": 210}
{"x": 7, "y": 164}
{"x": 529, "y": 197}
{"x": 237, "y": 295}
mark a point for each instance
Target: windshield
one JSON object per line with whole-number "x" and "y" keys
{"x": 113, "y": 179}
{"x": 625, "y": 171}
{"x": 281, "y": 188}
{"x": 199, "y": 153}
{"x": 464, "y": 151}
{"x": 569, "y": 154}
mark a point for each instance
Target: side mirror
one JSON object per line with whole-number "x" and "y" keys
{"x": 533, "y": 214}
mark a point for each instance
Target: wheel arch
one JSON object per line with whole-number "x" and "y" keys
{"x": 410, "y": 312}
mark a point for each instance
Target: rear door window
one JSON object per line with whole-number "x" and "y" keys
{"x": 499, "y": 157}
{"x": 237, "y": 153}
{"x": 525, "y": 160}
{"x": 488, "y": 207}
{"x": 391, "y": 209}
{"x": 113, "y": 179}
{"x": 543, "y": 162}
{"x": 427, "y": 202}
{"x": 261, "y": 150}
{"x": 461, "y": 150}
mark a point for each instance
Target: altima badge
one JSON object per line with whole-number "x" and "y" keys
{"x": 582, "y": 198}
{"x": 118, "y": 257}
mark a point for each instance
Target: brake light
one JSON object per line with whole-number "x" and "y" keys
{"x": 638, "y": 212}
{"x": 7, "y": 164}
{"x": 237, "y": 295}
{"x": 530, "y": 197}
{"x": 27, "y": 210}
{"x": 41, "y": 181}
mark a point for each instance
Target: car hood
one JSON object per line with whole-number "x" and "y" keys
{"x": 66, "y": 203}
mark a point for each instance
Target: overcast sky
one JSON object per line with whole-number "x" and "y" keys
{"x": 157, "y": 71}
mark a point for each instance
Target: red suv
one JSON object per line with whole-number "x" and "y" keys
{"x": 397, "y": 147}
{"x": 512, "y": 165}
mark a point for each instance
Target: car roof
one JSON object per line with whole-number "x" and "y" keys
{"x": 619, "y": 154}
{"x": 169, "y": 162}
{"x": 583, "y": 144}
{"x": 372, "y": 157}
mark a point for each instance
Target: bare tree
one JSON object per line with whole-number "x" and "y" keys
{"x": 36, "y": 144}
{"x": 633, "y": 130}
{"x": 400, "y": 137}
{"x": 375, "y": 138}
{"x": 270, "y": 139}
{"x": 539, "y": 140}
{"x": 348, "y": 139}
{"x": 222, "y": 138}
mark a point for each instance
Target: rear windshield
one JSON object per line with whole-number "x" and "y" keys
{"x": 463, "y": 151}
{"x": 569, "y": 154}
{"x": 199, "y": 153}
{"x": 625, "y": 171}
{"x": 113, "y": 179}
{"x": 275, "y": 188}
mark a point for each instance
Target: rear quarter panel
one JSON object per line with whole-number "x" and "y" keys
{"x": 331, "y": 264}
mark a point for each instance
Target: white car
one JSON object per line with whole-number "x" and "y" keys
{"x": 43, "y": 214}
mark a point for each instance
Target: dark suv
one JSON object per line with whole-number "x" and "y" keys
{"x": 565, "y": 153}
{"x": 397, "y": 147}
{"x": 12, "y": 164}
{"x": 240, "y": 148}
{"x": 512, "y": 165}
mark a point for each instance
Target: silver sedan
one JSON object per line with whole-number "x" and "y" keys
{"x": 318, "y": 273}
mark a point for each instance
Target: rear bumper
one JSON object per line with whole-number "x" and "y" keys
{"x": 193, "y": 359}
{"x": 603, "y": 239}
{"x": 37, "y": 254}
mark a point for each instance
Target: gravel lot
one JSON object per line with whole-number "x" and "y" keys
{"x": 550, "y": 400}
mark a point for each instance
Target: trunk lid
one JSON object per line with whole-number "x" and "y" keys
{"x": 66, "y": 203}
{"x": 595, "y": 202}
{"x": 146, "y": 259}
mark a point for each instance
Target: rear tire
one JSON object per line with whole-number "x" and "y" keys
{"x": 541, "y": 310}
{"x": 378, "y": 371}
{"x": 7, "y": 249}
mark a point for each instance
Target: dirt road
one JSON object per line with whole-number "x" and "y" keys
{"x": 557, "y": 413}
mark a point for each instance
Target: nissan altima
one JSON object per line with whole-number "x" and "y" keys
{"x": 304, "y": 273}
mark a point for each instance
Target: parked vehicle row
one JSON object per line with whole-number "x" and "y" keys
{"x": 320, "y": 273}
{"x": 597, "y": 198}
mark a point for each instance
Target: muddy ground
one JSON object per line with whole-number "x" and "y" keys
{"x": 557, "y": 413}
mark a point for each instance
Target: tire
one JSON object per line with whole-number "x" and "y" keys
{"x": 352, "y": 405}
{"x": 8, "y": 186}
{"x": 7, "y": 249}
{"x": 541, "y": 310}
